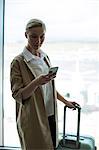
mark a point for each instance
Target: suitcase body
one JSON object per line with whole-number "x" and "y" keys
{"x": 75, "y": 142}
{"x": 86, "y": 143}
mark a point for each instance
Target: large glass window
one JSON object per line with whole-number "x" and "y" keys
{"x": 72, "y": 43}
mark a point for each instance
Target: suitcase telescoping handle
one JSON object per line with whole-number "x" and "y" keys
{"x": 78, "y": 125}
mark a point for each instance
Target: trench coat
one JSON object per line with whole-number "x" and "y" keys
{"x": 31, "y": 117}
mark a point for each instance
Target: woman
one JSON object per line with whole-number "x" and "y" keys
{"x": 34, "y": 90}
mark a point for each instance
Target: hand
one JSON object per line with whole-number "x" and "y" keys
{"x": 76, "y": 104}
{"x": 72, "y": 105}
{"x": 43, "y": 79}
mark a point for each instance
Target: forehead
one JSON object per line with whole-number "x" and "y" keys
{"x": 36, "y": 31}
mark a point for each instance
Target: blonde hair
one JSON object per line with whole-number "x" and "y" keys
{"x": 35, "y": 23}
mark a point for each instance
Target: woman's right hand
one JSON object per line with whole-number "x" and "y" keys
{"x": 43, "y": 79}
{"x": 40, "y": 80}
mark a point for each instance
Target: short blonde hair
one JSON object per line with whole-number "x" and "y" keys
{"x": 35, "y": 23}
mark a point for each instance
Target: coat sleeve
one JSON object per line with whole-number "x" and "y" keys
{"x": 16, "y": 81}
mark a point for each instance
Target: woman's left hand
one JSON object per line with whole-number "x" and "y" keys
{"x": 71, "y": 105}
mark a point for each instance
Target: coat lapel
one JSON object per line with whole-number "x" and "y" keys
{"x": 30, "y": 67}
{"x": 47, "y": 62}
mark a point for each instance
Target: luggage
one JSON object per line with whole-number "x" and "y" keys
{"x": 75, "y": 142}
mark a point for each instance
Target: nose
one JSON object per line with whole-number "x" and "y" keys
{"x": 38, "y": 41}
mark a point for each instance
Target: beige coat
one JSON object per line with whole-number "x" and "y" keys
{"x": 31, "y": 117}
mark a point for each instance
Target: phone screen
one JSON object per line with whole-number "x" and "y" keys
{"x": 53, "y": 70}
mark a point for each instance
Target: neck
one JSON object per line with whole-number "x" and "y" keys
{"x": 34, "y": 52}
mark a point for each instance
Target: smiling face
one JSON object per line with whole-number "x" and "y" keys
{"x": 35, "y": 37}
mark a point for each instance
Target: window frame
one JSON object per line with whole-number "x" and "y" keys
{"x": 2, "y": 6}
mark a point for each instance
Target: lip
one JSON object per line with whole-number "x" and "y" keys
{"x": 36, "y": 45}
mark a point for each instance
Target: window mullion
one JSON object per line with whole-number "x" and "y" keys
{"x": 2, "y": 3}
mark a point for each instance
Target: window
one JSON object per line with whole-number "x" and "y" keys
{"x": 72, "y": 43}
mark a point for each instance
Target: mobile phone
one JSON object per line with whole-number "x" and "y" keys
{"x": 53, "y": 70}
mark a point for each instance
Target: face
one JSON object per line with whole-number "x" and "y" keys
{"x": 35, "y": 37}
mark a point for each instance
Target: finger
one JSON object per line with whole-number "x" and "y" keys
{"x": 52, "y": 76}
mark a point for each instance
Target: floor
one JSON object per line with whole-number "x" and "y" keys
{"x": 9, "y": 148}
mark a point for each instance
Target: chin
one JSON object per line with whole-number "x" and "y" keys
{"x": 36, "y": 48}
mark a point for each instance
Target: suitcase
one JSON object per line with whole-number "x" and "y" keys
{"x": 75, "y": 142}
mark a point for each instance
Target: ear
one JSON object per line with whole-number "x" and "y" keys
{"x": 25, "y": 34}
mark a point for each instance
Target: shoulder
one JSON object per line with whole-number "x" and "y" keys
{"x": 17, "y": 58}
